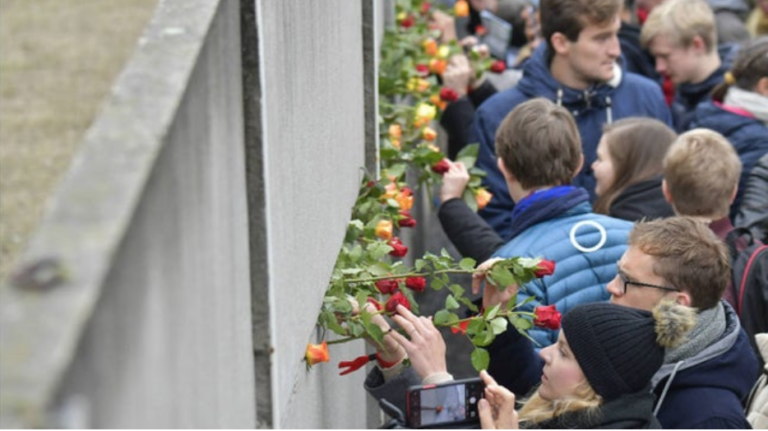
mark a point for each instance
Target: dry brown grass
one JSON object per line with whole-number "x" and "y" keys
{"x": 58, "y": 60}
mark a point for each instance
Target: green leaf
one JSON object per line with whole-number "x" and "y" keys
{"x": 469, "y": 150}
{"x": 480, "y": 359}
{"x": 357, "y": 224}
{"x": 451, "y": 303}
{"x": 467, "y": 264}
{"x": 396, "y": 170}
{"x": 456, "y": 290}
{"x": 469, "y": 199}
{"x": 498, "y": 325}
{"x": 379, "y": 269}
{"x": 502, "y": 276}
{"x": 441, "y": 317}
{"x": 420, "y": 264}
{"x": 490, "y": 314}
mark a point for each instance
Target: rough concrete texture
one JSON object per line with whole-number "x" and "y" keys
{"x": 314, "y": 148}
{"x": 151, "y": 327}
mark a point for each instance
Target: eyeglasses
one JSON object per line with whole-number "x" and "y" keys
{"x": 627, "y": 281}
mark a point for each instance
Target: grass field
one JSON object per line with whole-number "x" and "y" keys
{"x": 58, "y": 60}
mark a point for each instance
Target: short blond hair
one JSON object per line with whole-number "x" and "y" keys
{"x": 681, "y": 21}
{"x": 701, "y": 170}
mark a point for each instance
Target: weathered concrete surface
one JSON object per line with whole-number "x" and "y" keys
{"x": 152, "y": 326}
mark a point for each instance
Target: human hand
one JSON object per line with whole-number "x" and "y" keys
{"x": 425, "y": 348}
{"x": 458, "y": 74}
{"x": 491, "y": 294}
{"x": 445, "y": 23}
{"x": 389, "y": 350}
{"x": 497, "y": 409}
{"x": 454, "y": 181}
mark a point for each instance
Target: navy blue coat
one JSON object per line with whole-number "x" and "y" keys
{"x": 749, "y": 136}
{"x": 707, "y": 390}
{"x": 633, "y": 96}
{"x": 689, "y": 96}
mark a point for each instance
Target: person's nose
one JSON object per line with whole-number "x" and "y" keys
{"x": 545, "y": 353}
{"x": 661, "y": 66}
{"x": 615, "y": 287}
{"x": 614, "y": 50}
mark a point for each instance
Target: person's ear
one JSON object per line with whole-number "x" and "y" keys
{"x": 698, "y": 45}
{"x": 579, "y": 166}
{"x": 665, "y": 191}
{"x": 734, "y": 192}
{"x": 560, "y": 43}
{"x": 762, "y": 87}
{"x": 683, "y": 298}
{"x": 507, "y": 175}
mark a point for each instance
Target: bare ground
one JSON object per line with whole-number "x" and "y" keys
{"x": 58, "y": 60}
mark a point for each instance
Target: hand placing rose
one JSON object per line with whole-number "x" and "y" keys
{"x": 492, "y": 296}
{"x": 455, "y": 180}
{"x": 458, "y": 74}
{"x": 424, "y": 344}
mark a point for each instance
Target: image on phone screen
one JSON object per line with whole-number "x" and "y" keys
{"x": 444, "y": 404}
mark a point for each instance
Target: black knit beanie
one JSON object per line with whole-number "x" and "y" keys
{"x": 615, "y": 347}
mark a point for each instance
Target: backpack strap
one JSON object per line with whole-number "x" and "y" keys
{"x": 744, "y": 277}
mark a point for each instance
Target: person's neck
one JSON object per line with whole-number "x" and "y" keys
{"x": 518, "y": 193}
{"x": 563, "y": 74}
{"x": 708, "y": 219}
{"x": 709, "y": 64}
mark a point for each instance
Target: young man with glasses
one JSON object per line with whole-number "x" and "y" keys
{"x": 702, "y": 382}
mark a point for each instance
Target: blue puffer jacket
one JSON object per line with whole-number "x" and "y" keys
{"x": 749, "y": 136}
{"x": 632, "y": 95}
{"x": 586, "y": 273}
{"x": 705, "y": 391}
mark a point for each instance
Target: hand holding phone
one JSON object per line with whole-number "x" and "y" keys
{"x": 446, "y": 404}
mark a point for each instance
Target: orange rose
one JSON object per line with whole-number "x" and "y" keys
{"x": 435, "y": 99}
{"x": 428, "y": 134}
{"x": 390, "y": 191}
{"x": 437, "y": 66}
{"x": 461, "y": 8}
{"x": 430, "y": 47}
{"x": 482, "y": 197}
{"x": 384, "y": 229}
{"x": 395, "y": 131}
{"x": 316, "y": 353}
{"x": 405, "y": 199}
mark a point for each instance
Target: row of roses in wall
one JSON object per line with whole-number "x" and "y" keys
{"x": 370, "y": 266}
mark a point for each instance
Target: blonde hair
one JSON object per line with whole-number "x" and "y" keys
{"x": 536, "y": 409}
{"x": 701, "y": 170}
{"x": 681, "y": 21}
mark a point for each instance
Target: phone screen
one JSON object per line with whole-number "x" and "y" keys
{"x": 454, "y": 402}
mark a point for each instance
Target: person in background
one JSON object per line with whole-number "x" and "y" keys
{"x": 576, "y": 69}
{"x": 739, "y": 110}
{"x": 753, "y": 211}
{"x": 757, "y": 23}
{"x": 628, "y": 169}
{"x": 681, "y": 36}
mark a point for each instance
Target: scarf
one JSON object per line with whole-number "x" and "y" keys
{"x": 710, "y": 326}
{"x": 544, "y": 205}
{"x": 756, "y": 104}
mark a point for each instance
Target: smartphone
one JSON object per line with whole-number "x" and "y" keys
{"x": 499, "y": 33}
{"x": 439, "y": 406}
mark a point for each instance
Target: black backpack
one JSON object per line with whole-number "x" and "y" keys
{"x": 749, "y": 272}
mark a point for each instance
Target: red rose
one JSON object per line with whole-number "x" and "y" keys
{"x": 407, "y": 22}
{"x": 441, "y": 167}
{"x": 546, "y": 267}
{"x": 423, "y": 70}
{"x": 416, "y": 283}
{"x": 407, "y": 221}
{"x": 399, "y": 250}
{"x": 547, "y": 317}
{"x": 448, "y": 94}
{"x": 397, "y": 299}
{"x": 387, "y": 286}
{"x": 425, "y": 7}
{"x": 375, "y": 303}
{"x": 480, "y": 30}
{"x": 498, "y": 66}
{"x": 461, "y": 327}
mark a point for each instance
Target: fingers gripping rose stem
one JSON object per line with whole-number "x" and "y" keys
{"x": 424, "y": 345}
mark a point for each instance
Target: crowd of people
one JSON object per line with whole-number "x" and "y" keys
{"x": 629, "y": 144}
